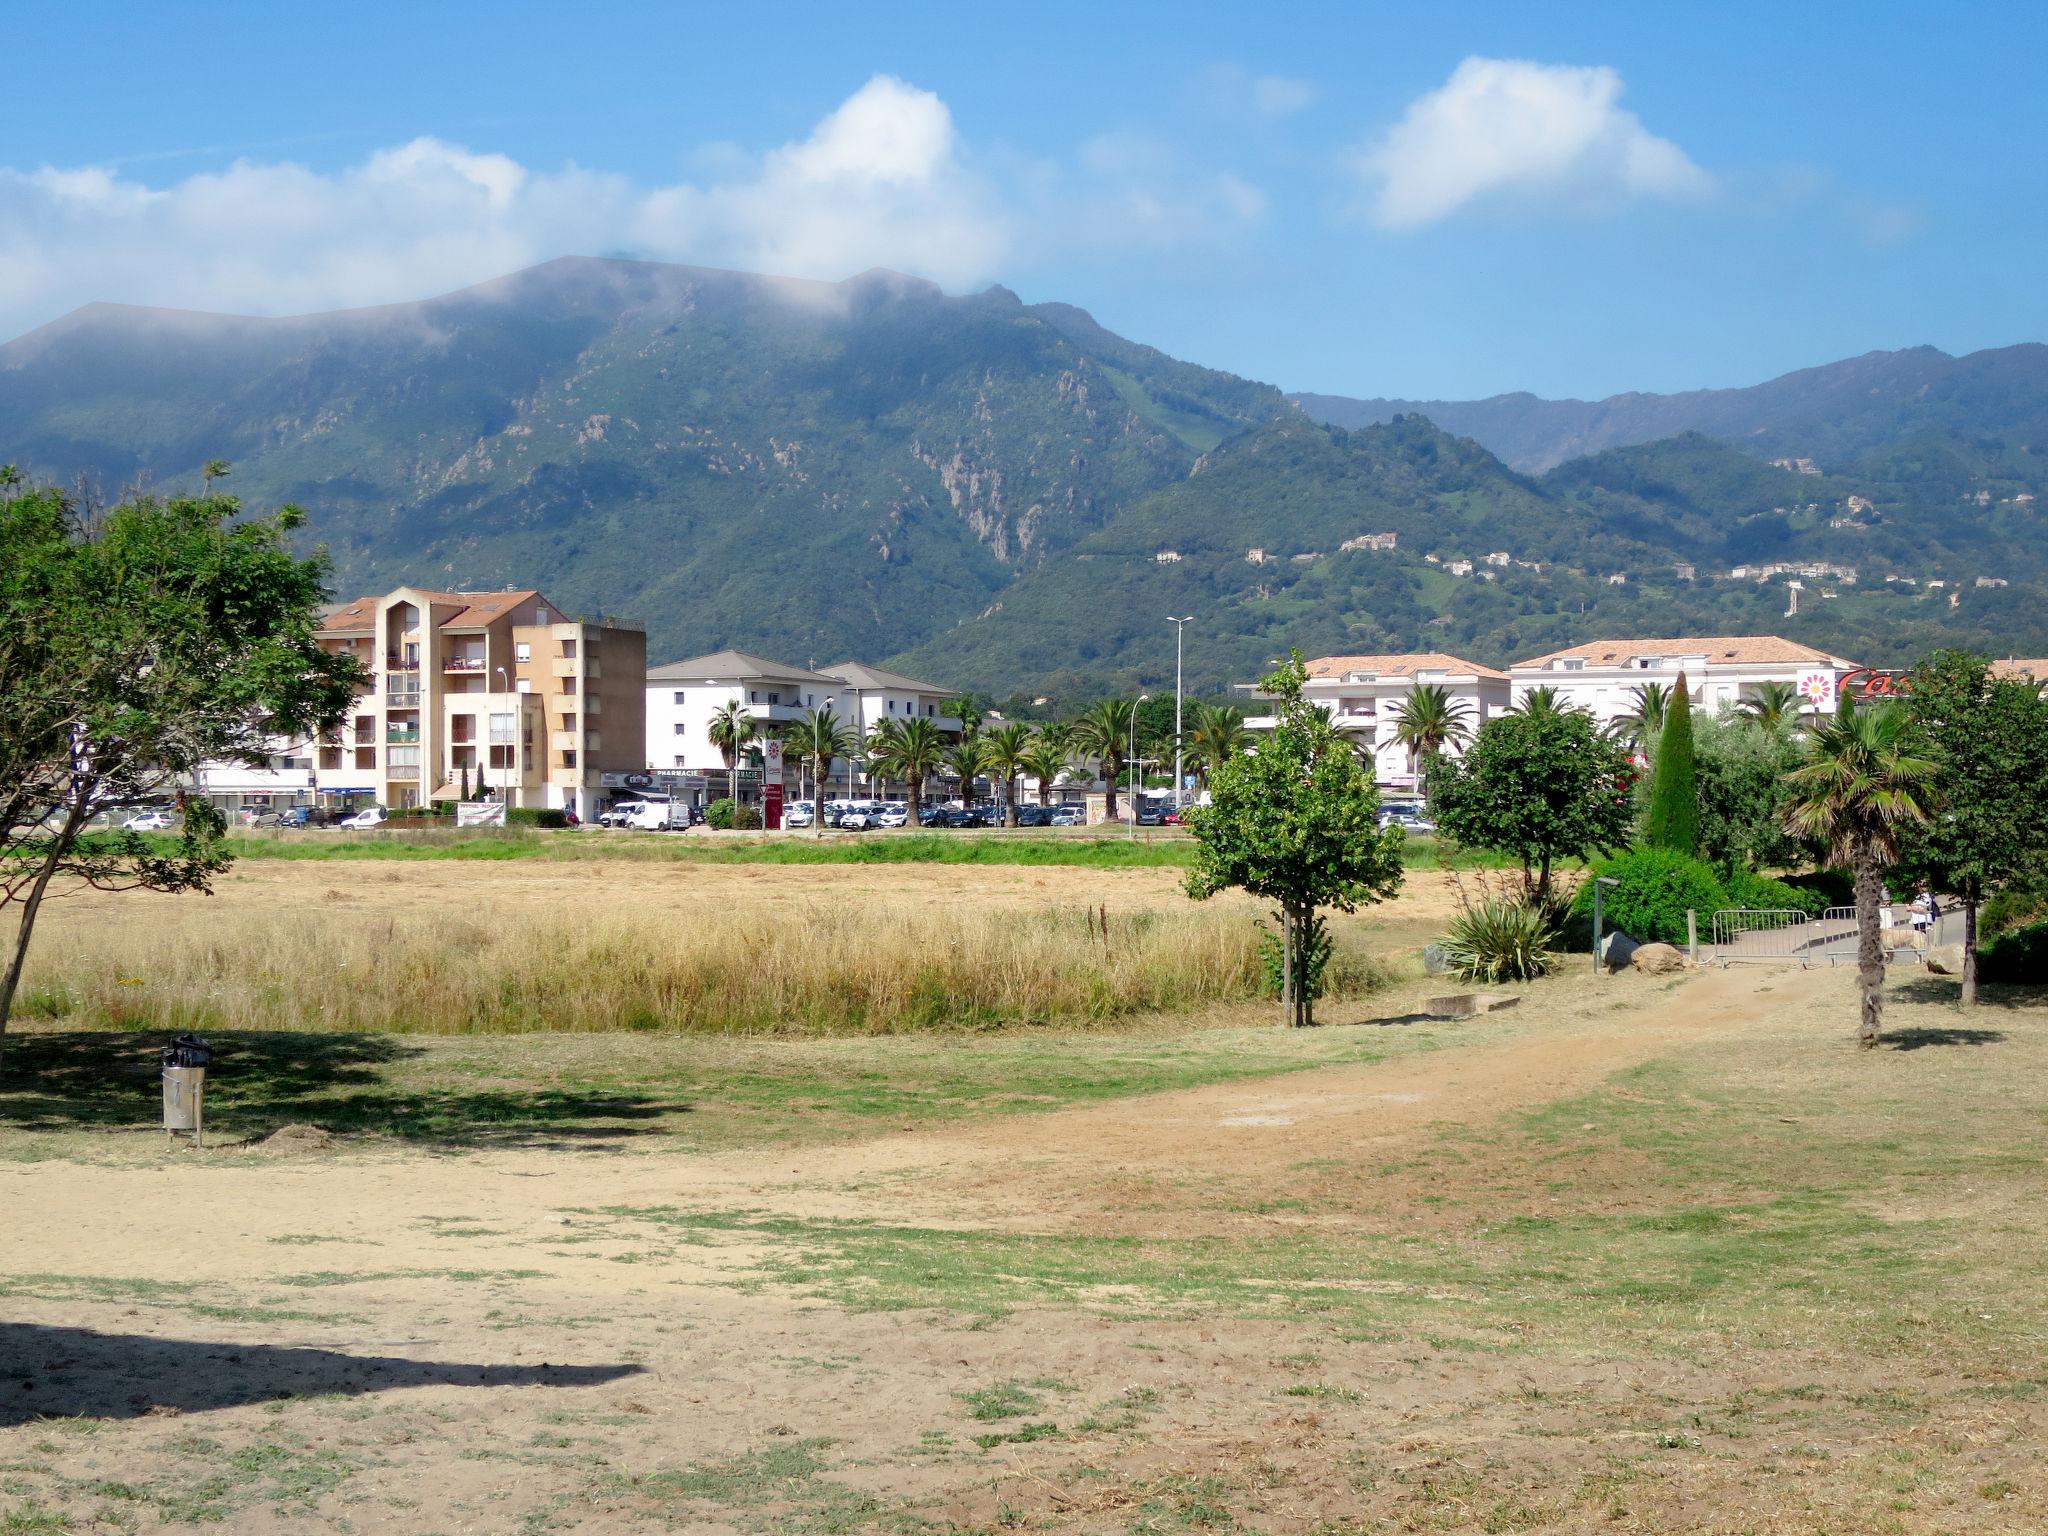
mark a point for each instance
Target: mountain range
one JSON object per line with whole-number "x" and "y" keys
{"x": 1011, "y": 498}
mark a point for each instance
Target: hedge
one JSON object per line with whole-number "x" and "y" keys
{"x": 1656, "y": 886}
{"x": 534, "y": 816}
{"x": 2020, "y": 956}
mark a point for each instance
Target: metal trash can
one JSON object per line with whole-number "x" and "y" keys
{"x": 185, "y": 1062}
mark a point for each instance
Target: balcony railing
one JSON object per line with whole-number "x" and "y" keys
{"x": 462, "y": 664}
{"x": 393, "y": 662}
{"x": 400, "y": 736}
{"x": 402, "y": 698}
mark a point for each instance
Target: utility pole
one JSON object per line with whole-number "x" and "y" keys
{"x": 1132, "y": 797}
{"x": 1178, "y": 625}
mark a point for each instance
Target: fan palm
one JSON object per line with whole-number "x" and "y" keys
{"x": 1861, "y": 783}
{"x": 1005, "y": 749}
{"x": 1045, "y": 760}
{"x": 1645, "y": 723}
{"x": 1541, "y": 699}
{"x": 968, "y": 761}
{"x": 819, "y": 737}
{"x": 1429, "y": 720}
{"x": 1773, "y": 706}
{"x": 910, "y": 750}
{"x": 732, "y": 731}
{"x": 1104, "y": 733}
{"x": 1216, "y": 735}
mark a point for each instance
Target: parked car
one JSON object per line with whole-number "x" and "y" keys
{"x": 1175, "y": 819}
{"x": 799, "y": 813}
{"x": 148, "y": 821}
{"x": 934, "y": 816}
{"x": 890, "y": 815}
{"x": 1069, "y": 816}
{"x": 1151, "y": 815}
{"x": 365, "y": 820}
{"x": 291, "y": 817}
{"x": 1034, "y": 815}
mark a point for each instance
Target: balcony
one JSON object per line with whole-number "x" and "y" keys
{"x": 393, "y": 662}
{"x": 400, "y": 735}
{"x": 402, "y": 698}
{"x": 462, "y": 664}
{"x": 567, "y": 666}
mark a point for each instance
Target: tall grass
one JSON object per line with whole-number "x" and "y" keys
{"x": 813, "y": 968}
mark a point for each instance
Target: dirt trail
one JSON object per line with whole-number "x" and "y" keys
{"x": 123, "y": 1221}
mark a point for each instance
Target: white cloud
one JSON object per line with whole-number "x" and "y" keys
{"x": 1237, "y": 90}
{"x": 884, "y": 179}
{"x": 1283, "y": 95}
{"x": 1509, "y": 128}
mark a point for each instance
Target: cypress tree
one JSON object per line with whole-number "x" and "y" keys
{"x": 1674, "y": 820}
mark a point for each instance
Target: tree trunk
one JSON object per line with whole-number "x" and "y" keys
{"x": 1287, "y": 964}
{"x": 1010, "y": 801}
{"x": 1969, "y": 998}
{"x": 1304, "y": 957}
{"x": 1110, "y": 769}
{"x": 59, "y": 846}
{"x": 914, "y": 788}
{"x": 1870, "y": 958}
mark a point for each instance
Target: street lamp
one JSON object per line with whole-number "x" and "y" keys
{"x": 511, "y": 744}
{"x": 1133, "y": 807}
{"x": 1178, "y": 625}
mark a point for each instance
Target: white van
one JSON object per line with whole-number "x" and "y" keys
{"x": 649, "y": 815}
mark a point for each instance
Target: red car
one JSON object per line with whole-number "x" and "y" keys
{"x": 1174, "y": 819}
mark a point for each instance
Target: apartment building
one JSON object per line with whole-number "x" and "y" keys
{"x": 683, "y": 696}
{"x": 501, "y": 689}
{"x": 1602, "y": 677}
{"x": 1363, "y": 696}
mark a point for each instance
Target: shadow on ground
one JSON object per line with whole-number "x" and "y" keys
{"x": 1921, "y": 1039}
{"x": 61, "y": 1080}
{"x": 57, "y": 1372}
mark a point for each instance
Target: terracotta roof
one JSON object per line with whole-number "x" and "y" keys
{"x": 1401, "y": 666}
{"x": 351, "y": 618}
{"x": 2033, "y": 669}
{"x": 1716, "y": 649}
{"x": 475, "y": 609}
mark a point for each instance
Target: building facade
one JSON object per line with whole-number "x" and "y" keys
{"x": 1363, "y": 696}
{"x": 498, "y": 689}
{"x": 1602, "y": 677}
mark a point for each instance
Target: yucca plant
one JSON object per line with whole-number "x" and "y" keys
{"x": 1498, "y": 940}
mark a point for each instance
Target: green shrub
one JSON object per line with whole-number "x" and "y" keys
{"x": 2016, "y": 905}
{"x": 1656, "y": 887}
{"x": 746, "y": 818}
{"x": 1500, "y": 941}
{"x": 719, "y": 814}
{"x": 2018, "y": 957}
{"x": 1272, "y": 957}
{"x": 534, "y": 816}
{"x": 1748, "y": 889}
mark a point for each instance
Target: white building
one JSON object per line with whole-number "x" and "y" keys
{"x": 1364, "y": 694}
{"x": 1601, "y": 678}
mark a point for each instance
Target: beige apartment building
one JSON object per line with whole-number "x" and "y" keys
{"x": 500, "y": 688}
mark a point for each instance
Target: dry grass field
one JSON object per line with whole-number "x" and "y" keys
{"x": 1639, "y": 1255}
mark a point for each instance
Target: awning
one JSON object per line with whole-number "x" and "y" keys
{"x": 449, "y": 791}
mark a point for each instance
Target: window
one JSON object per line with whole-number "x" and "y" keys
{"x": 774, "y": 697}
{"x": 542, "y": 616}
{"x": 522, "y": 651}
{"x": 568, "y": 650}
{"x": 569, "y": 758}
{"x": 681, "y": 697}
{"x": 524, "y": 686}
{"x": 679, "y": 760}
{"x": 679, "y": 728}
{"x": 502, "y": 727}
{"x": 892, "y": 706}
{"x": 568, "y": 722}
{"x": 568, "y": 685}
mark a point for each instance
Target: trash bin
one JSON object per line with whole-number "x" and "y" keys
{"x": 185, "y": 1062}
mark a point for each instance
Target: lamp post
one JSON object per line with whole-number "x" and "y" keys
{"x": 512, "y": 743}
{"x": 1134, "y": 767}
{"x": 1178, "y": 626}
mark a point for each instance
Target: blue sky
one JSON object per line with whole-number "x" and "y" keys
{"x": 1451, "y": 200}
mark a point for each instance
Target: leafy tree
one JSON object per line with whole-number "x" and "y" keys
{"x": 1674, "y": 820}
{"x": 1004, "y": 751}
{"x": 1216, "y": 734}
{"x": 1429, "y": 720}
{"x": 1989, "y": 736}
{"x": 1862, "y": 784}
{"x": 1296, "y": 823}
{"x": 1104, "y": 733}
{"x": 1741, "y": 766}
{"x": 1539, "y": 784}
{"x": 821, "y": 736}
{"x": 732, "y": 731}
{"x": 133, "y": 648}
{"x": 1773, "y": 705}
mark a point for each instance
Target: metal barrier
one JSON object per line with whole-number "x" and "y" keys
{"x": 1781, "y": 934}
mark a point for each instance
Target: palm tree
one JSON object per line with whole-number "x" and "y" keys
{"x": 1045, "y": 760}
{"x": 1006, "y": 747}
{"x": 212, "y": 470}
{"x": 910, "y": 750}
{"x": 968, "y": 760}
{"x": 1216, "y": 735}
{"x": 1540, "y": 699}
{"x": 1429, "y": 720}
{"x": 732, "y": 731}
{"x": 1104, "y": 733}
{"x": 820, "y": 736}
{"x": 1774, "y": 705}
{"x": 1645, "y": 723}
{"x": 1860, "y": 784}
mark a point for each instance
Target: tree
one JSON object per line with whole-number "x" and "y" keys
{"x": 968, "y": 761}
{"x": 1540, "y": 785}
{"x": 1741, "y": 766}
{"x": 1674, "y": 820}
{"x": 1989, "y": 736}
{"x": 1773, "y": 705}
{"x": 732, "y": 731}
{"x": 133, "y": 648}
{"x": 1104, "y": 733}
{"x": 1545, "y": 700}
{"x": 820, "y": 736}
{"x": 1861, "y": 784}
{"x": 910, "y": 750}
{"x": 1429, "y": 720}
{"x": 1296, "y": 823}
{"x": 1646, "y": 721}
{"x": 1005, "y": 748}
{"x": 1216, "y": 736}
{"x": 1045, "y": 760}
